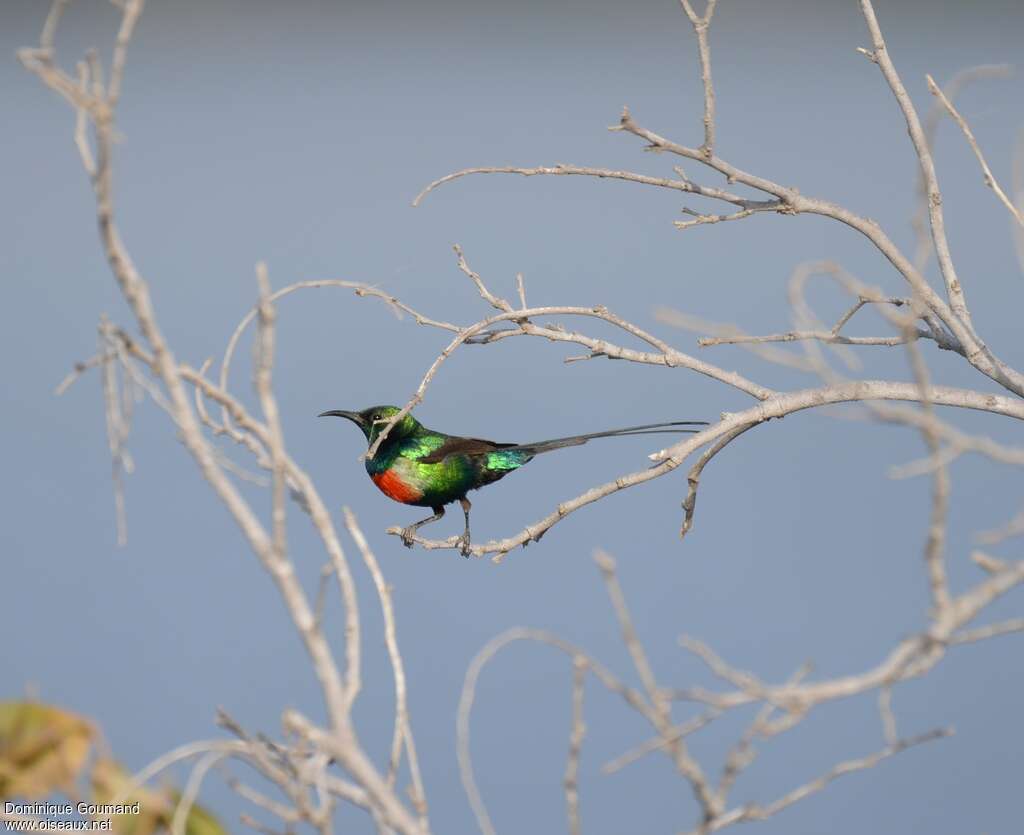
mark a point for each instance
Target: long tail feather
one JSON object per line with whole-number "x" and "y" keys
{"x": 671, "y": 427}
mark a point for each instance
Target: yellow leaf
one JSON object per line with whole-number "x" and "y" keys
{"x": 42, "y": 749}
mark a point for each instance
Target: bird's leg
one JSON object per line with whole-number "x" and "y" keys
{"x": 408, "y": 531}
{"x": 464, "y": 539}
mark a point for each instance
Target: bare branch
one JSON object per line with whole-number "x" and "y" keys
{"x": 660, "y": 712}
{"x": 932, "y": 120}
{"x": 880, "y": 55}
{"x": 667, "y": 355}
{"x": 888, "y": 717}
{"x": 182, "y": 752}
{"x": 702, "y": 219}
{"x": 795, "y": 203}
{"x": 361, "y": 290}
{"x": 935, "y": 545}
{"x": 248, "y": 820}
{"x": 264, "y": 372}
{"x": 695, "y": 324}
{"x": 82, "y": 122}
{"x": 572, "y": 766}
{"x": 693, "y": 477}
{"x": 700, "y": 28}
{"x": 740, "y": 679}
{"x": 563, "y": 170}
{"x": 757, "y": 812}
{"x": 791, "y": 201}
{"x": 188, "y": 797}
{"x": 632, "y": 697}
{"x": 657, "y": 743}
{"x": 131, "y": 9}
{"x": 742, "y": 754}
{"x": 956, "y": 443}
{"x": 983, "y": 633}
{"x": 1017, "y": 181}
{"x": 828, "y": 337}
{"x": 494, "y": 301}
{"x": 403, "y": 727}
{"x": 910, "y": 658}
{"x": 284, "y": 812}
{"x": 50, "y": 25}
{"x": 990, "y": 179}
{"x": 1015, "y": 527}
{"x": 118, "y": 419}
{"x": 100, "y": 106}
{"x": 606, "y": 563}
{"x": 81, "y": 368}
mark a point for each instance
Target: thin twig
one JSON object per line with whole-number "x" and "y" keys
{"x": 632, "y": 697}
{"x": 188, "y": 797}
{"x": 936, "y": 540}
{"x": 572, "y": 766}
{"x": 403, "y": 727}
{"x": 983, "y": 633}
{"x": 700, "y": 28}
{"x": 990, "y": 179}
{"x": 360, "y": 289}
{"x": 889, "y": 733}
{"x": 930, "y": 126}
{"x": 660, "y": 712}
{"x": 264, "y": 372}
{"x": 742, "y": 754}
{"x": 758, "y": 812}
{"x": 658, "y": 742}
{"x": 1017, "y": 185}
{"x": 565, "y": 170}
{"x": 704, "y": 219}
{"x": 880, "y": 56}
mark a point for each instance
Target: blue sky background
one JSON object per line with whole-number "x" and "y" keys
{"x": 298, "y": 134}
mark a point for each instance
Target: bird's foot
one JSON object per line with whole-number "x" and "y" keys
{"x": 407, "y": 535}
{"x": 463, "y": 543}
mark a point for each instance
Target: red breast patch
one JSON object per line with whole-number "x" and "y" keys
{"x": 392, "y": 486}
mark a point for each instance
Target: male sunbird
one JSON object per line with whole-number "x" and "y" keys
{"x": 418, "y": 466}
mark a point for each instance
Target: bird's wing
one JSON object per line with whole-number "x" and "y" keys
{"x": 462, "y": 446}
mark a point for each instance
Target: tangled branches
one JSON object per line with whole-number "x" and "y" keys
{"x": 316, "y": 767}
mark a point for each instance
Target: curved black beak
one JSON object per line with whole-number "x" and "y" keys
{"x": 355, "y": 417}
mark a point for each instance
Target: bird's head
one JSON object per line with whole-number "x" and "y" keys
{"x": 373, "y": 419}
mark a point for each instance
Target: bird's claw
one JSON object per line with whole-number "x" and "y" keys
{"x": 463, "y": 543}
{"x": 406, "y": 536}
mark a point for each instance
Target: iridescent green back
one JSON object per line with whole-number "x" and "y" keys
{"x": 448, "y": 479}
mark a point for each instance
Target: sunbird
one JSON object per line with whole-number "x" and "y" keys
{"x": 419, "y": 466}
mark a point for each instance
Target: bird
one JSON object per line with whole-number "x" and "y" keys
{"x": 418, "y": 466}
